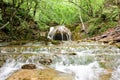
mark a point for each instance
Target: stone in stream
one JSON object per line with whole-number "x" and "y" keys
{"x": 45, "y": 61}
{"x": 29, "y": 66}
{"x": 40, "y": 74}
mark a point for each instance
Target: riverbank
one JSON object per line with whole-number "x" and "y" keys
{"x": 111, "y": 36}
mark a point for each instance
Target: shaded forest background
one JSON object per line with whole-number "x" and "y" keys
{"x": 31, "y": 19}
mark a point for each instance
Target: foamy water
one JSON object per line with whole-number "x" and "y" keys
{"x": 13, "y": 65}
{"x": 81, "y": 72}
{"x": 80, "y": 65}
{"x": 91, "y": 71}
{"x": 8, "y": 68}
{"x": 116, "y": 74}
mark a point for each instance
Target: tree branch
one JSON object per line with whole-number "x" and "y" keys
{"x": 80, "y": 7}
{"x": 4, "y": 25}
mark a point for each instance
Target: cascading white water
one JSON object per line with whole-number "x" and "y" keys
{"x": 91, "y": 71}
{"x": 11, "y": 65}
{"x": 116, "y": 74}
{"x": 8, "y": 68}
{"x": 81, "y": 65}
{"x": 82, "y": 72}
{"x": 64, "y": 33}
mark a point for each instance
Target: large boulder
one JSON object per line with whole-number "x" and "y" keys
{"x": 40, "y": 74}
{"x": 59, "y": 33}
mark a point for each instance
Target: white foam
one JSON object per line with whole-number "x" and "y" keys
{"x": 12, "y": 65}
{"x": 116, "y": 74}
{"x": 8, "y": 68}
{"x": 83, "y": 72}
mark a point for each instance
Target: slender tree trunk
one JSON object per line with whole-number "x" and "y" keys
{"x": 83, "y": 26}
{"x": 118, "y": 4}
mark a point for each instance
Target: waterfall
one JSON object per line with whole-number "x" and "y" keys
{"x": 59, "y": 33}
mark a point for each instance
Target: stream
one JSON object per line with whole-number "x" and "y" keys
{"x": 86, "y": 60}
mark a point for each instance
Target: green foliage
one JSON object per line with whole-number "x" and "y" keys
{"x": 98, "y": 28}
{"x": 111, "y": 13}
{"x": 106, "y": 26}
{"x": 89, "y": 8}
{"x": 92, "y": 29}
{"x": 65, "y": 12}
{"x": 56, "y": 12}
{"x": 107, "y": 19}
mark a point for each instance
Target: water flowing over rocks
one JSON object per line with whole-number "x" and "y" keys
{"x": 116, "y": 74}
{"x": 70, "y": 60}
{"x": 59, "y": 33}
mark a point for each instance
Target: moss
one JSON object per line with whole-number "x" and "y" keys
{"x": 1, "y": 63}
{"x": 76, "y": 35}
{"x": 103, "y": 65}
{"x": 55, "y": 42}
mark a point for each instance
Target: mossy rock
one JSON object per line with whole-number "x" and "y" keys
{"x": 55, "y": 42}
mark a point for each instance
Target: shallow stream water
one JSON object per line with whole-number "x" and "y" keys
{"x": 86, "y": 60}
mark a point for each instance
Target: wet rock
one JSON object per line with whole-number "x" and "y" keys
{"x": 72, "y": 53}
{"x": 45, "y": 61}
{"x": 29, "y": 66}
{"x": 43, "y": 74}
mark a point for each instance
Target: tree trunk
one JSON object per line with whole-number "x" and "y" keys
{"x": 118, "y": 4}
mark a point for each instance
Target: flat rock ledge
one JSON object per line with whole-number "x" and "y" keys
{"x": 40, "y": 74}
